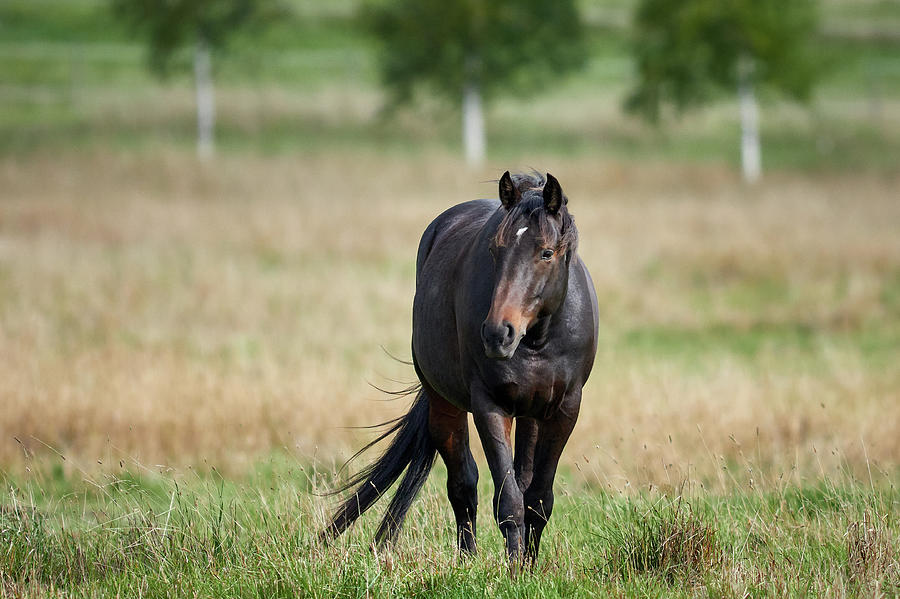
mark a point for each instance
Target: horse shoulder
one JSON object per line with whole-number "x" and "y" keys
{"x": 588, "y": 310}
{"x": 591, "y": 294}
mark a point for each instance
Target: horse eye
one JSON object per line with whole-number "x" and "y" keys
{"x": 546, "y": 254}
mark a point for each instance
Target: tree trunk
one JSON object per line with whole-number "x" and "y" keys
{"x": 473, "y": 125}
{"x": 751, "y": 159}
{"x": 206, "y": 107}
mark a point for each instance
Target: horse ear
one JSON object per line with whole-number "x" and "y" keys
{"x": 509, "y": 195}
{"x": 553, "y": 195}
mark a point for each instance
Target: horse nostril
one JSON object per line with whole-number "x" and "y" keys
{"x": 502, "y": 335}
{"x": 489, "y": 334}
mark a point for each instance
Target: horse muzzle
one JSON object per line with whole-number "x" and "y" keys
{"x": 500, "y": 339}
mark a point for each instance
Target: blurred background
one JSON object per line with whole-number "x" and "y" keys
{"x": 209, "y": 213}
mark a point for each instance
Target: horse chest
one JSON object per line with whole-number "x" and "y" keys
{"x": 527, "y": 388}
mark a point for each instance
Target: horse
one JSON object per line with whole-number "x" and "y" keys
{"x": 505, "y": 323}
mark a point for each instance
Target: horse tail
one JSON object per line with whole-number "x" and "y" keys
{"x": 411, "y": 449}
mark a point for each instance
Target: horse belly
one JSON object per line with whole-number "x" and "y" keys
{"x": 435, "y": 343}
{"x": 437, "y": 363}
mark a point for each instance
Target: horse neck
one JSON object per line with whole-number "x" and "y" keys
{"x": 539, "y": 332}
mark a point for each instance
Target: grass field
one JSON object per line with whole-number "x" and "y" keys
{"x": 158, "y": 308}
{"x": 165, "y": 323}
{"x": 185, "y": 346}
{"x": 184, "y": 534}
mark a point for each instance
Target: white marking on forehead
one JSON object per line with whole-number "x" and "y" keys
{"x": 520, "y": 231}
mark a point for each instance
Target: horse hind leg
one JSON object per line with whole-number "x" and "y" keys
{"x": 449, "y": 428}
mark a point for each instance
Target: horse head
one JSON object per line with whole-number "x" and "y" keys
{"x": 531, "y": 252}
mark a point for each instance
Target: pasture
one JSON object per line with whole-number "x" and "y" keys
{"x": 161, "y": 309}
{"x": 186, "y": 347}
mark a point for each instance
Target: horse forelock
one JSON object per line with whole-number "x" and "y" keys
{"x": 557, "y": 231}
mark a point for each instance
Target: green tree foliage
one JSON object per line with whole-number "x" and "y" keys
{"x": 204, "y": 25}
{"x": 502, "y": 46}
{"x": 688, "y": 50}
{"x": 171, "y": 25}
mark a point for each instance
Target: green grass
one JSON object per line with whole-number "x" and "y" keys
{"x": 175, "y": 533}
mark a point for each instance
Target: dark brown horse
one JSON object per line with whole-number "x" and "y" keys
{"x": 504, "y": 326}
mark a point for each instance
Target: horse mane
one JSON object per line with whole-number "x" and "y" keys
{"x": 558, "y": 231}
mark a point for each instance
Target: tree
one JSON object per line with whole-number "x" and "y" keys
{"x": 688, "y": 50}
{"x": 202, "y": 25}
{"x": 470, "y": 50}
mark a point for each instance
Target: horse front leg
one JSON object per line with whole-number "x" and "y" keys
{"x": 538, "y": 496}
{"x": 494, "y": 427}
{"x": 526, "y": 441}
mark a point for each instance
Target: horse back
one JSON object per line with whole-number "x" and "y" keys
{"x": 461, "y": 222}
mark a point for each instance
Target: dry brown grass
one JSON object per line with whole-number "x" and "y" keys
{"x": 873, "y": 562}
{"x": 156, "y": 308}
{"x": 668, "y": 539}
